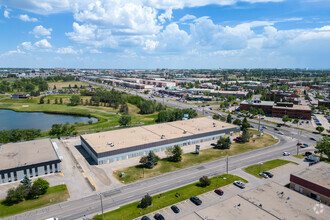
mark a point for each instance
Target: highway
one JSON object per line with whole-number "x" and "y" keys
{"x": 114, "y": 198}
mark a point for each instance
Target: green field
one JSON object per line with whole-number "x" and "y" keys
{"x": 107, "y": 117}
{"x": 60, "y": 85}
{"x": 162, "y": 200}
{"x": 55, "y": 194}
{"x": 258, "y": 168}
{"x": 135, "y": 173}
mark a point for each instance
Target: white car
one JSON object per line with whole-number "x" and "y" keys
{"x": 281, "y": 133}
{"x": 286, "y": 153}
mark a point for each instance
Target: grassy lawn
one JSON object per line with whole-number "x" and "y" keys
{"x": 55, "y": 194}
{"x": 107, "y": 117}
{"x": 60, "y": 85}
{"x": 299, "y": 156}
{"x": 160, "y": 201}
{"x": 135, "y": 173}
{"x": 258, "y": 168}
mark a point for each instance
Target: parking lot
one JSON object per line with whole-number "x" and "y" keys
{"x": 322, "y": 120}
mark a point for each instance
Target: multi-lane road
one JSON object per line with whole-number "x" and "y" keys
{"x": 117, "y": 197}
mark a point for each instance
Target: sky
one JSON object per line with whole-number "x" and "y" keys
{"x": 175, "y": 34}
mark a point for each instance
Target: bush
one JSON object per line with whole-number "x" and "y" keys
{"x": 204, "y": 181}
{"x": 150, "y": 160}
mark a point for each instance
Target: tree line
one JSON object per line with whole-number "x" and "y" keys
{"x": 14, "y": 135}
{"x": 175, "y": 114}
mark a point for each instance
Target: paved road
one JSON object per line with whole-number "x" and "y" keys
{"x": 117, "y": 197}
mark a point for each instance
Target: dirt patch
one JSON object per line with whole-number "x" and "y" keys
{"x": 101, "y": 175}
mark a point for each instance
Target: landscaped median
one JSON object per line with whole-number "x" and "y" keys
{"x": 136, "y": 173}
{"x": 55, "y": 194}
{"x": 162, "y": 200}
{"x": 265, "y": 166}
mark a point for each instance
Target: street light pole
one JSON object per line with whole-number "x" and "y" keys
{"x": 101, "y": 206}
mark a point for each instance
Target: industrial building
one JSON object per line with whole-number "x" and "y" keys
{"x": 313, "y": 182}
{"x": 111, "y": 146}
{"x": 29, "y": 158}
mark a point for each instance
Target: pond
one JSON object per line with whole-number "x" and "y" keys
{"x": 10, "y": 119}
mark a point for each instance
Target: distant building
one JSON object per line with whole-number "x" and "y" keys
{"x": 266, "y": 106}
{"x": 324, "y": 102}
{"x": 20, "y": 96}
{"x": 293, "y": 111}
{"x": 29, "y": 158}
{"x": 313, "y": 182}
{"x": 236, "y": 94}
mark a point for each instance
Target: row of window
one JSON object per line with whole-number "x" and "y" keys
{"x": 162, "y": 148}
{"x": 29, "y": 172}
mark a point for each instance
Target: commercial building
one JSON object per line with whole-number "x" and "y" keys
{"x": 236, "y": 94}
{"x": 279, "y": 109}
{"x": 269, "y": 201}
{"x": 324, "y": 102}
{"x": 20, "y": 96}
{"x": 313, "y": 182}
{"x": 111, "y": 146}
{"x": 266, "y": 106}
{"x": 293, "y": 111}
{"x": 29, "y": 158}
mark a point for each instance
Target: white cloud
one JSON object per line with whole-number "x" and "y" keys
{"x": 41, "y": 31}
{"x": 166, "y": 15}
{"x": 42, "y": 44}
{"x": 41, "y": 6}
{"x": 6, "y": 14}
{"x": 187, "y": 17}
{"x": 67, "y": 50}
{"x": 27, "y": 18}
{"x": 27, "y": 46}
{"x": 94, "y": 51}
{"x": 150, "y": 45}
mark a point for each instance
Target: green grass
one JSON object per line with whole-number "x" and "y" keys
{"x": 135, "y": 173}
{"x": 299, "y": 156}
{"x": 258, "y": 168}
{"x": 162, "y": 200}
{"x": 55, "y": 194}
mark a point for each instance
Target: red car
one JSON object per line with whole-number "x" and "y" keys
{"x": 299, "y": 144}
{"x": 219, "y": 192}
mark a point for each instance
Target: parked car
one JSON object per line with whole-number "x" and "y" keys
{"x": 276, "y": 129}
{"x": 299, "y": 143}
{"x": 270, "y": 175}
{"x": 145, "y": 218}
{"x": 196, "y": 200}
{"x": 263, "y": 175}
{"x": 251, "y": 126}
{"x": 219, "y": 192}
{"x": 306, "y": 145}
{"x": 313, "y": 139}
{"x": 281, "y": 133}
{"x": 264, "y": 127}
{"x": 308, "y": 153}
{"x": 240, "y": 184}
{"x": 175, "y": 209}
{"x": 286, "y": 153}
{"x": 159, "y": 217}
{"x": 214, "y": 144}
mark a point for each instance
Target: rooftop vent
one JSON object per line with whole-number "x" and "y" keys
{"x": 214, "y": 124}
{"x": 162, "y": 137}
{"x": 111, "y": 144}
{"x": 185, "y": 132}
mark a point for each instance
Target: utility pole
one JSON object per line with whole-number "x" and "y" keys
{"x": 101, "y": 206}
{"x": 227, "y": 165}
{"x": 259, "y": 123}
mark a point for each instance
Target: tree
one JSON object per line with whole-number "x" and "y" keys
{"x": 320, "y": 129}
{"x": 56, "y": 101}
{"x": 75, "y": 100}
{"x": 286, "y": 119}
{"x": 229, "y": 119}
{"x": 54, "y": 87}
{"x": 216, "y": 116}
{"x": 48, "y": 101}
{"x": 150, "y": 160}
{"x": 246, "y": 136}
{"x": 125, "y": 120}
{"x": 124, "y": 108}
{"x": 26, "y": 182}
{"x": 146, "y": 201}
{"x": 204, "y": 181}
{"x": 42, "y": 101}
{"x": 223, "y": 143}
{"x": 61, "y": 101}
{"x": 40, "y": 186}
{"x": 176, "y": 154}
{"x": 296, "y": 121}
{"x": 237, "y": 122}
{"x": 323, "y": 146}
{"x": 245, "y": 125}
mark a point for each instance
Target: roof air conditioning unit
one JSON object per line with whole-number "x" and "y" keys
{"x": 162, "y": 137}
{"x": 185, "y": 132}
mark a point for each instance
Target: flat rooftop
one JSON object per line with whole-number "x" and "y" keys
{"x": 284, "y": 203}
{"x": 295, "y": 107}
{"x": 231, "y": 92}
{"x": 129, "y": 137}
{"x": 318, "y": 174}
{"x": 233, "y": 208}
{"x": 26, "y": 153}
{"x": 251, "y": 102}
